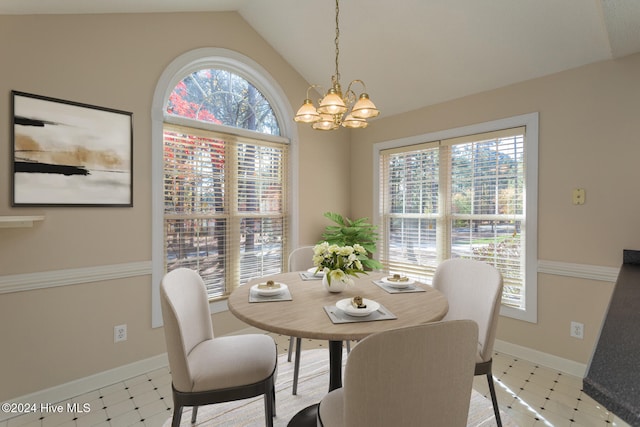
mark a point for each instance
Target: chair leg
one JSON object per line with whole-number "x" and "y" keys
{"x": 290, "y": 349}
{"x": 273, "y": 398}
{"x": 268, "y": 409}
{"x": 194, "y": 414}
{"x": 296, "y": 366}
{"x": 494, "y": 399}
{"x": 177, "y": 416}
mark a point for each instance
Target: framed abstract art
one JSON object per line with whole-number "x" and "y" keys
{"x": 70, "y": 154}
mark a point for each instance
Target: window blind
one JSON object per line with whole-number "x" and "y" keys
{"x": 224, "y": 206}
{"x": 461, "y": 197}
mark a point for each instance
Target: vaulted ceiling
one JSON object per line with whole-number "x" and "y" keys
{"x": 413, "y": 53}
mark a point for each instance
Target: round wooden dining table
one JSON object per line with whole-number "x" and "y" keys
{"x": 304, "y": 315}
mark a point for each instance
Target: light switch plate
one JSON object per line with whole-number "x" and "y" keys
{"x": 579, "y": 196}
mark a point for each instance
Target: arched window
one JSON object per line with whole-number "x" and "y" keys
{"x": 224, "y": 176}
{"x": 222, "y": 97}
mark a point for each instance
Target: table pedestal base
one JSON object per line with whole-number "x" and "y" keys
{"x": 306, "y": 417}
{"x": 309, "y": 415}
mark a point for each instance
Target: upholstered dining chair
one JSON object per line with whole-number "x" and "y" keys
{"x": 474, "y": 291}
{"x": 415, "y": 376}
{"x": 300, "y": 259}
{"x": 204, "y": 369}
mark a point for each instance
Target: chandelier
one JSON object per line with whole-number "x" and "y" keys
{"x": 337, "y": 109}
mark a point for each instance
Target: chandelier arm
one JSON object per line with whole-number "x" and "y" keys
{"x": 315, "y": 86}
{"x": 364, "y": 87}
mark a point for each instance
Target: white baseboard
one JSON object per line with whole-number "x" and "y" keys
{"x": 549, "y": 360}
{"x": 66, "y": 391}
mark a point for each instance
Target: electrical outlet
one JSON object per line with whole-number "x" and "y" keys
{"x": 577, "y": 330}
{"x": 578, "y": 196}
{"x": 119, "y": 333}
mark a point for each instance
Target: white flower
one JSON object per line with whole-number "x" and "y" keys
{"x": 337, "y": 274}
{"x": 338, "y": 262}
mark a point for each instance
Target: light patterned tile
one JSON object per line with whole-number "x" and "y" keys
{"x": 538, "y": 389}
{"x": 25, "y": 421}
{"x": 535, "y": 401}
{"x": 131, "y": 382}
{"x": 570, "y": 380}
{"x": 145, "y": 400}
{"x": 110, "y": 399}
{"x": 541, "y": 378}
{"x": 120, "y": 408}
{"x": 552, "y": 419}
{"x": 589, "y": 406}
{"x": 94, "y": 418}
{"x": 586, "y": 420}
{"x": 617, "y": 422}
{"x": 126, "y": 419}
{"x": 149, "y": 410}
{"x": 559, "y": 408}
{"x": 521, "y": 418}
{"x": 140, "y": 388}
{"x": 31, "y": 418}
{"x": 157, "y": 420}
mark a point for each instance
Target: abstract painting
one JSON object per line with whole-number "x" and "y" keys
{"x": 70, "y": 154}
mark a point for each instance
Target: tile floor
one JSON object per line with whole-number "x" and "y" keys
{"x": 532, "y": 395}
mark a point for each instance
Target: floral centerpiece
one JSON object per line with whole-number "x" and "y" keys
{"x": 339, "y": 262}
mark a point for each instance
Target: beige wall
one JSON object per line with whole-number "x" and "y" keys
{"x": 588, "y": 139}
{"x": 52, "y": 336}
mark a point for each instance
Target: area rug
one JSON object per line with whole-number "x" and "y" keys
{"x": 313, "y": 384}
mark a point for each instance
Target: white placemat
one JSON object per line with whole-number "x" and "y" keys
{"x": 305, "y": 275}
{"x": 338, "y": 316}
{"x": 393, "y": 290}
{"x": 283, "y": 296}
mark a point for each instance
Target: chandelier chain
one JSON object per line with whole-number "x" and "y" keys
{"x": 337, "y": 40}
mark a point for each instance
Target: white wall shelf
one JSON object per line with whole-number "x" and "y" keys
{"x": 19, "y": 221}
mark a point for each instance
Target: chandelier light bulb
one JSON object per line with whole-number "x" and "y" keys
{"x": 354, "y": 122}
{"x": 307, "y": 113}
{"x": 326, "y": 122}
{"x": 365, "y": 108}
{"x": 332, "y": 103}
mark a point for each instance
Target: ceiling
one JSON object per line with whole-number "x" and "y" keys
{"x": 413, "y": 53}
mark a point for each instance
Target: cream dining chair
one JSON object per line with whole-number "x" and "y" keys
{"x": 416, "y": 376}
{"x": 204, "y": 369}
{"x": 300, "y": 259}
{"x": 474, "y": 291}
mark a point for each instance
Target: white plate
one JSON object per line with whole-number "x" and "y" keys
{"x": 312, "y": 270}
{"x": 346, "y": 306}
{"x": 398, "y": 285}
{"x": 269, "y": 292}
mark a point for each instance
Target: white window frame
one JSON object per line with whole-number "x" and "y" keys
{"x": 179, "y": 68}
{"x": 530, "y": 121}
